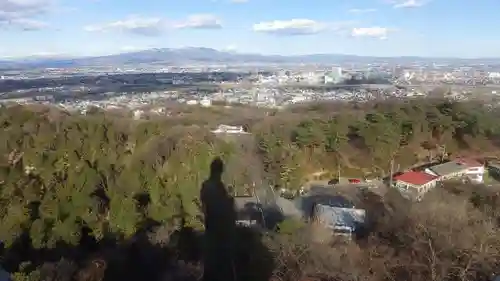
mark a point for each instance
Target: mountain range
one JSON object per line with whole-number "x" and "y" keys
{"x": 207, "y": 55}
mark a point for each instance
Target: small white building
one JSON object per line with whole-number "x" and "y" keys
{"x": 457, "y": 169}
{"x": 206, "y": 102}
{"x": 159, "y": 110}
{"x": 226, "y": 129}
{"x": 475, "y": 170}
{"x": 138, "y": 114}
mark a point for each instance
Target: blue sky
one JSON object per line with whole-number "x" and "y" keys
{"x": 461, "y": 28}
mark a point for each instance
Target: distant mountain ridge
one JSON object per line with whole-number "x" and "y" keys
{"x": 208, "y": 55}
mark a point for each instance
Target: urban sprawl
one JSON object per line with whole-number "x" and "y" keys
{"x": 265, "y": 86}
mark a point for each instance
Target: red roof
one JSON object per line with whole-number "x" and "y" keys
{"x": 415, "y": 178}
{"x": 468, "y": 162}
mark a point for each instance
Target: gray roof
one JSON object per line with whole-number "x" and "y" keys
{"x": 289, "y": 208}
{"x": 334, "y": 217}
{"x": 447, "y": 168}
{"x": 494, "y": 166}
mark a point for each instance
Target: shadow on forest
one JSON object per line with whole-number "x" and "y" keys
{"x": 228, "y": 252}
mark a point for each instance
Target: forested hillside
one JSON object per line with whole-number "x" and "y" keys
{"x": 81, "y": 187}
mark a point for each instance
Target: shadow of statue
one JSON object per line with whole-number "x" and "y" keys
{"x": 220, "y": 227}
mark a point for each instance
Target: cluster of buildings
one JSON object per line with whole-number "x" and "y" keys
{"x": 332, "y": 213}
{"x": 335, "y": 75}
{"x": 260, "y": 96}
{"x": 276, "y": 86}
{"x": 466, "y": 75}
{"x": 418, "y": 182}
{"x": 339, "y": 216}
{"x": 345, "y": 218}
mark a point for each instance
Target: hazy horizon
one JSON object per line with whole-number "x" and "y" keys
{"x": 235, "y": 52}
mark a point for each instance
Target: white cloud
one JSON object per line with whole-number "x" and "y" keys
{"x": 290, "y": 27}
{"x": 238, "y": 1}
{"x": 373, "y": 32}
{"x": 408, "y": 3}
{"x": 200, "y": 21}
{"x": 154, "y": 26}
{"x": 136, "y": 25}
{"x": 301, "y": 27}
{"x": 24, "y": 7}
{"x": 27, "y": 24}
{"x": 23, "y": 14}
{"x": 362, "y": 11}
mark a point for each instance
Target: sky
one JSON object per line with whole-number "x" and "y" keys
{"x": 431, "y": 28}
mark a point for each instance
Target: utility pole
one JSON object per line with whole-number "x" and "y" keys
{"x": 391, "y": 173}
{"x": 338, "y": 169}
{"x": 259, "y": 205}
{"x": 442, "y": 150}
{"x": 338, "y": 154}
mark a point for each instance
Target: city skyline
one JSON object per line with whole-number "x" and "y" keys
{"x": 364, "y": 27}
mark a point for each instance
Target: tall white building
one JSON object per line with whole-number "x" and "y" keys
{"x": 334, "y": 76}
{"x": 337, "y": 71}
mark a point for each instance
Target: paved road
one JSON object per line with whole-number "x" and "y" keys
{"x": 289, "y": 208}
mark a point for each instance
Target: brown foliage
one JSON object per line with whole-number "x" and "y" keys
{"x": 93, "y": 271}
{"x": 445, "y": 237}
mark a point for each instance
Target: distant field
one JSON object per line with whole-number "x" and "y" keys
{"x": 193, "y": 87}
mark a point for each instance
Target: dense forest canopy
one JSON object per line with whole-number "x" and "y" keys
{"x": 67, "y": 178}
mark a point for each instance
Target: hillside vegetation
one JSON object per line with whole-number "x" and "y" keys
{"x": 86, "y": 197}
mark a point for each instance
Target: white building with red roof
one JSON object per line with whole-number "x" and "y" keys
{"x": 418, "y": 182}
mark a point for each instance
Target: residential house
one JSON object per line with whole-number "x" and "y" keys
{"x": 332, "y": 212}
{"x": 342, "y": 221}
{"x": 415, "y": 182}
{"x": 448, "y": 170}
{"x": 475, "y": 169}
